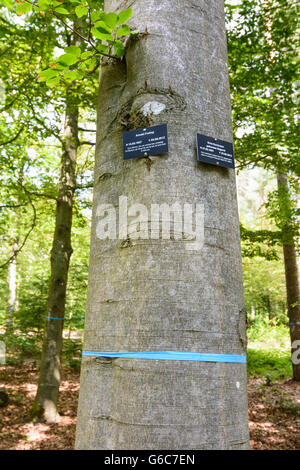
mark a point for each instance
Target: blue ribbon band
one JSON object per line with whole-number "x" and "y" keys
{"x": 296, "y": 323}
{"x": 171, "y": 356}
{"x": 54, "y": 318}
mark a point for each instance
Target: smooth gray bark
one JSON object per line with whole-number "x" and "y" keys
{"x": 154, "y": 295}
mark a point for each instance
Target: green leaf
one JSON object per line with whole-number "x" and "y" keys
{"x": 103, "y": 27}
{"x": 119, "y": 48}
{"x": 72, "y": 75}
{"x": 74, "y": 50}
{"x": 47, "y": 74}
{"x": 23, "y": 8}
{"x": 86, "y": 54}
{"x": 124, "y": 16}
{"x": 99, "y": 34}
{"x": 89, "y": 64}
{"x": 52, "y": 82}
{"x": 110, "y": 19}
{"x": 102, "y": 48}
{"x": 67, "y": 59}
{"x": 8, "y": 3}
{"x": 123, "y": 31}
{"x": 43, "y": 5}
{"x": 62, "y": 11}
{"x": 81, "y": 11}
{"x": 96, "y": 15}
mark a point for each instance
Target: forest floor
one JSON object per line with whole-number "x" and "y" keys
{"x": 273, "y": 412}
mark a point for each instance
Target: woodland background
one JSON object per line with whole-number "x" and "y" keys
{"x": 263, "y": 45}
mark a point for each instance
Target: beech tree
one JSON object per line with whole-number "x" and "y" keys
{"x": 154, "y": 294}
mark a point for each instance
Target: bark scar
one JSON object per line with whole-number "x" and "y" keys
{"x": 242, "y": 328}
{"x": 149, "y": 162}
{"x": 127, "y": 243}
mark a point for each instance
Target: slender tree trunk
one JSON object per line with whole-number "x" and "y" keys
{"x": 12, "y": 287}
{"x": 155, "y": 294}
{"x": 253, "y": 313}
{"x": 45, "y": 405}
{"x": 262, "y": 208}
{"x": 292, "y": 283}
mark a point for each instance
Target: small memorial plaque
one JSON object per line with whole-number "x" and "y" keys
{"x": 214, "y": 151}
{"x": 144, "y": 142}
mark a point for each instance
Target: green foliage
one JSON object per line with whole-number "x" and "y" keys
{"x": 20, "y": 346}
{"x": 264, "y": 288}
{"x": 268, "y": 353}
{"x": 31, "y": 145}
{"x": 268, "y": 333}
{"x": 72, "y": 350}
{"x": 260, "y": 243}
{"x": 271, "y": 364}
{"x": 98, "y": 32}
{"x": 263, "y": 40}
{"x": 289, "y": 406}
{"x": 282, "y": 208}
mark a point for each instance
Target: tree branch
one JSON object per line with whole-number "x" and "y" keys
{"x": 15, "y": 137}
{"x": 11, "y": 258}
{"x": 86, "y": 142}
{"x": 84, "y": 186}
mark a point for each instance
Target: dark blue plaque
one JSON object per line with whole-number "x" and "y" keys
{"x": 214, "y": 151}
{"x": 144, "y": 142}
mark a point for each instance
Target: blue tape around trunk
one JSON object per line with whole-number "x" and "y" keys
{"x": 296, "y": 323}
{"x": 172, "y": 356}
{"x": 54, "y": 318}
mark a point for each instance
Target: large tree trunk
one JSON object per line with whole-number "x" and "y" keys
{"x": 156, "y": 295}
{"x": 45, "y": 405}
{"x": 292, "y": 283}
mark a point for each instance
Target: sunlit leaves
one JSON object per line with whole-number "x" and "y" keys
{"x": 123, "y": 31}
{"x": 23, "y": 8}
{"x": 67, "y": 59}
{"x": 124, "y": 16}
{"x": 62, "y": 11}
{"x": 8, "y": 3}
{"x": 110, "y": 19}
{"x": 119, "y": 48}
{"x": 86, "y": 54}
{"x": 48, "y": 74}
{"x": 81, "y": 11}
{"x": 100, "y": 33}
{"x": 95, "y": 15}
{"x": 103, "y": 48}
{"x": 74, "y": 50}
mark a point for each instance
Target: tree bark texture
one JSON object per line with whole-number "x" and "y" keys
{"x": 155, "y": 295}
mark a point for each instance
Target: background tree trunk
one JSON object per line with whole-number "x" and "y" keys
{"x": 12, "y": 287}
{"x": 291, "y": 280}
{"x": 155, "y": 295}
{"x": 45, "y": 405}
